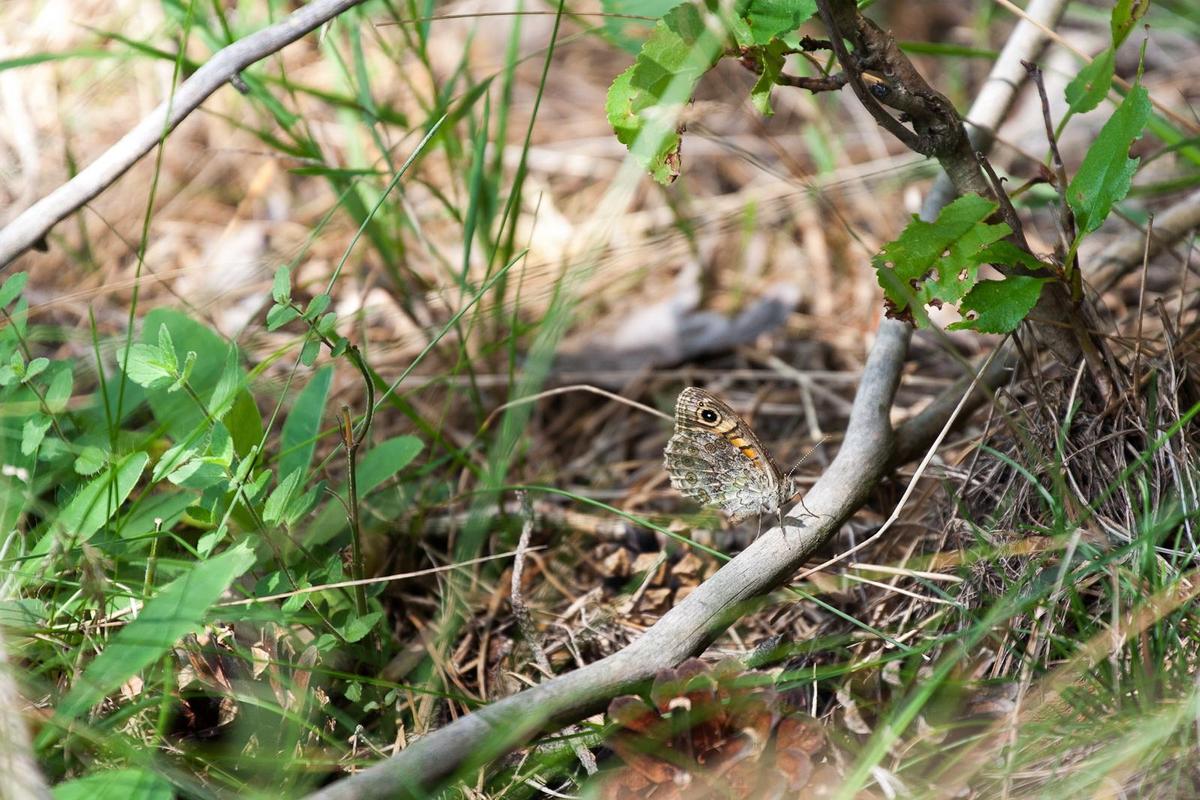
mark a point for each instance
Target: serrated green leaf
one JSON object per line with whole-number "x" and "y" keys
{"x": 281, "y": 287}
{"x": 167, "y": 346}
{"x": 769, "y": 19}
{"x": 999, "y": 306}
{"x": 177, "y": 610}
{"x": 281, "y": 496}
{"x": 279, "y": 316}
{"x": 145, "y": 366}
{"x": 384, "y": 460}
{"x": 1091, "y": 84}
{"x": 1007, "y": 254}
{"x": 299, "y": 435}
{"x": 178, "y": 413}
{"x": 939, "y": 261}
{"x": 645, "y": 101}
{"x": 12, "y": 287}
{"x": 358, "y": 627}
{"x": 1104, "y": 176}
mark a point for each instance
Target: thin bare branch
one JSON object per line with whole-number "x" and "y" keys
{"x": 31, "y": 225}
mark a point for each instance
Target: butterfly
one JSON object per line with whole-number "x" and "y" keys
{"x": 715, "y": 458}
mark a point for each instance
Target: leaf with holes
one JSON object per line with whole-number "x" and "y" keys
{"x": 999, "y": 306}
{"x": 938, "y": 262}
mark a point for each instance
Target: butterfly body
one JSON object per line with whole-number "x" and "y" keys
{"x": 715, "y": 458}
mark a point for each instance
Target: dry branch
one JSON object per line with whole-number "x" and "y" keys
{"x": 31, "y": 225}
{"x": 867, "y": 453}
{"x": 683, "y": 631}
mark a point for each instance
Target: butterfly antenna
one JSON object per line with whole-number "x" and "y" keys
{"x": 792, "y": 471}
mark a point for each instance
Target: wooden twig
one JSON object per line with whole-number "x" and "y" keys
{"x": 683, "y": 631}
{"x": 32, "y": 224}
{"x": 689, "y": 627}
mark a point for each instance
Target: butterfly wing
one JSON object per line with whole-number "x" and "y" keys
{"x": 716, "y": 459}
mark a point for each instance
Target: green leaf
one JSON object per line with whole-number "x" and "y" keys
{"x": 198, "y": 473}
{"x": 209, "y": 541}
{"x": 939, "y": 261}
{"x": 227, "y": 387}
{"x": 177, "y": 454}
{"x": 91, "y": 460}
{"x": 317, "y": 306}
{"x": 33, "y": 431}
{"x": 145, "y": 366}
{"x": 12, "y": 287}
{"x": 358, "y": 627}
{"x": 303, "y": 423}
{"x": 35, "y": 367}
{"x": 281, "y": 496}
{"x": 325, "y": 326}
{"x": 58, "y": 394}
{"x": 99, "y": 500}
{"x": 220, "y": 446}
{"x": 385, "y": 460}
{"x": 177, "y": 610}
{"x": 178, "y": 413}
{"x": 1125, "y": 15}
{"x": 301, "y": 505}
{"x": 281, "y": 289}
{"x": 94, "y": 505}
{"x": 1091, "y": 84}
{"x": 770, "y": 64}
{"x": 629, "y": 34}
{"x": 645, "y": 101}
{"x": 117, "y": 784}
{"x": 1104, "y": 176}
{"x": 769, "y": 19}
{"x": 245, "y": 422}
{"x": 279, "y": 316}
{"x": 189, "y": 363}
{"x": 168, "y": 349}
{"x": 1007, "y": 254}
{"x": 312, "y": 349}
{"x": 999, "y": 306}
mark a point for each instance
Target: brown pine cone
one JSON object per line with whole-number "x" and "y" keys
{"x": 715, "y": 731}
